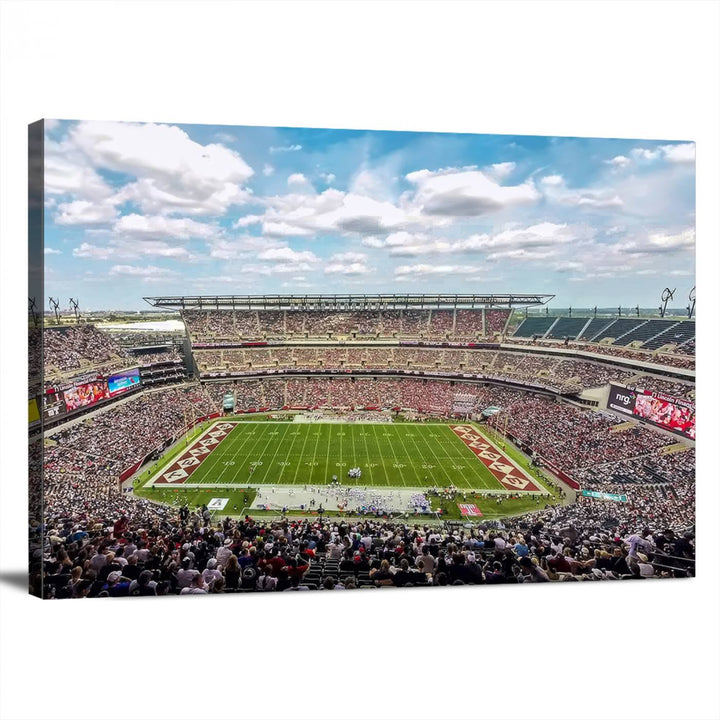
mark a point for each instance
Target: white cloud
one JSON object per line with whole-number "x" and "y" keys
{"x": 645, "y": 154}
{"x": 353, "y": 268}
{"x": 557, "y": 191}
{"x": 85, "y": 212}
{"x": 348, "y": 263}
{"x": 682, "y": 153}
{"x": 286, "y": 148}
{"x": 222, "y": 248}
{"x": 333, "y": 211}
{"x": 376, "y": 183}
{"x": 296, "y": 179}
{"x": 247, "y": 220}
{"x": 52, "y": 251}
{"x": 466, "y": 193}
{"x": 533, "y": 242}
{"x": 567, "y": 266}
{"x": 349, "y": 257}
{"x": 88, "y": 250}
{"x": 131, "y": 250}
{"x": 406, "y": 272}
{"x": 173, "y": 173}
{"x": 327, "y": 178}
{"x": 500, "y": 171}
{"x": 287, "y": 254}
{"x": 268, "y": 170}
{"x": 160, "y": 226}
{"x": 658, "y": 243}
{"x": 225, "y": 137}
{"x": 147, "y": 271}
{"x": 67, "y": 171}
{"x": 619, "y": 161}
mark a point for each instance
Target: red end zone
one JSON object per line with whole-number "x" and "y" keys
{"x": 509, "y": 475}
{"x": 190, "y": 460}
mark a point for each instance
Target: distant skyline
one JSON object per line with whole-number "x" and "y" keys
{"x": 135, "y": 209}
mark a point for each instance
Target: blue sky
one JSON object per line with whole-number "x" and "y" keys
{"x": 135, "y": 209}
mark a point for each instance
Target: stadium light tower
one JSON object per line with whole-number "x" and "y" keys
{"x": 32, "y": 307}
{"x": 75, "y": 305}
{"x": 667, "y": 294}
{"x": 691, "y": 306}
{"x": 54, "y": 304}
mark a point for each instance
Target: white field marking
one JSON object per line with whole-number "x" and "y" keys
{"x": 410, "y": 460}
{"x": 438, "y": 458}
{"x": 277, "y": 449}
{"x": 302, "y": 455}
{"x": 272, "y": 437}
{"x": 354, "y": 453}
{"x": 453, "y": 442}
{"x": 380, "y": 455}
{"x": 327, "y": 456}
{"x": 289, "y": 452}
{"x": 312, "y": 467}
{"x": 440, "y": 464}
{"x": 252, "y": 462}
{"x": 234, "y": 455}
{"x": 367, "y": 455}
{"x": 479, "y": 491}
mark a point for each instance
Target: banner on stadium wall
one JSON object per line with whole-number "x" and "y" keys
{"x": 604, "y": 496}
{"x": 664, "y": 411}
{"x": 560, "y": 473}
{"x": 125, "y": 474}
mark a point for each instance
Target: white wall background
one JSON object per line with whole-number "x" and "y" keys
{"x": 633, "y": 69}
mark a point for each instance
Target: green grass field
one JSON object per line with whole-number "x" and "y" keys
{"x": 392, "y": 455}
{"x": 408, "y": 455}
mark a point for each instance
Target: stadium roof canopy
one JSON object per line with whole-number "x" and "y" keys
{"x": 401, "y": 301}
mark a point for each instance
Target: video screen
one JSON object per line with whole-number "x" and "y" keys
{"x": 85, "y": 394}
{"x": 122, "y": 382}
{"x": 661, "y": 410}
{"x": 666, "y": 414}
{"x": 53, "y": 405}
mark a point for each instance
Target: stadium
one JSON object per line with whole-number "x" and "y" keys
{"x": 291, "y": 442}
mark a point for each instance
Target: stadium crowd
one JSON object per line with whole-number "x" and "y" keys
{"x": 129, "y": 547}
{"x": 209, "y": 326}
{"x": 555, "y": 373}
{"x": 170, "y": 356}
{"x": 437, "y": 396}
{"x": 666, "y": 387}
{"x": 79, "y": 347}
{"x": 573, "y": 438}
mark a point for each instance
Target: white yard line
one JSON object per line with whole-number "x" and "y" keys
{"x": 277, "y": 449}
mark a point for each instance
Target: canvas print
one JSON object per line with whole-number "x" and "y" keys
{"x": 268, "y": 359}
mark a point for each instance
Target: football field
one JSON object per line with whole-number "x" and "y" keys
{"x": 401, "y": 455}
